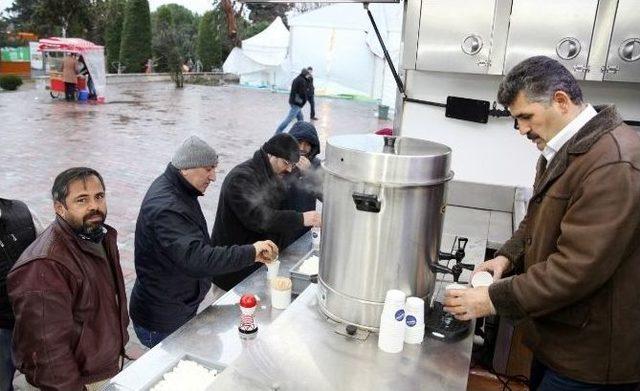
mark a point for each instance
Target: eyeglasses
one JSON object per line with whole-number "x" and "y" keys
{"x": 288, "y": 163}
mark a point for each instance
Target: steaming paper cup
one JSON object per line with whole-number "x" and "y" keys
{"x": 481, "y": 279}
{"x": 281, "y": 292}
{"x": 272, "y": 269}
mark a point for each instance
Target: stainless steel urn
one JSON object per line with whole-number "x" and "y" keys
{"x": 382, "y": 216}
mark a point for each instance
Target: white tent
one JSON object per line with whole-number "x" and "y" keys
{"x": 339, "y": 42}
{"x": 259, "y": 61}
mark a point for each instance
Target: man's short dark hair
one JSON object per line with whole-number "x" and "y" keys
{"x": 310, "y": 68}
{"x": 60, "y": 189}
{"x": 539, "y": 77}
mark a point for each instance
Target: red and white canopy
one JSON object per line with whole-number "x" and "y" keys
{"x": 72, "y": 45}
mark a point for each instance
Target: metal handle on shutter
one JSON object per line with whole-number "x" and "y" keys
{"x": 568, "y": 48}
{"x": 630, "y": 50}
{"x": 472, "y": 44}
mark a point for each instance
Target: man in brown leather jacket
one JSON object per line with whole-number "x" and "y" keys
{"x": 67, "y": 292}
{"x": 576, "y": 254}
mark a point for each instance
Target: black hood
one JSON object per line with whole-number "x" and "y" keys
{"x": 305, "y": 131}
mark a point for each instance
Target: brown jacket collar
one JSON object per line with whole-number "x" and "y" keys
{"x": 61, "y": 226}
{"x": 604, "y": 122}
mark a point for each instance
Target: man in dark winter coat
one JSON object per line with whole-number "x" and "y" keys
{"x": 174, "y": 257}
{"x": 311, "y": 93}
{"x": 250, "y": 205}
{"x": 67, "y": 292}
{"x": 18, "y": 229}
{"x": 304, "y": 184}
{"x": 297, "y": 99}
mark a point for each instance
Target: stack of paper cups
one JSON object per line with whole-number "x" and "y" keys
{"x": 391, "y": 336}
{"x": 414, "y": 321}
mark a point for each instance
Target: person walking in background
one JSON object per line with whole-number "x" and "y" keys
{"x": 149, "y": 66}
{"x": 311, "y": 91}
{"x": 297, "y": 99}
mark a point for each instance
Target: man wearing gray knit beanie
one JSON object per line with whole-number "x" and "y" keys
{"x": 174, "y": 257}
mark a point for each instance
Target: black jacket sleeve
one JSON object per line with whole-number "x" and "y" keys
{"x": 247, "y": 201}
{"x": 186, "y": 245}
{"x": 298, "y": 89}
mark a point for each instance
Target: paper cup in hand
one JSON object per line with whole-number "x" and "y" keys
{"x": 272, "y": 269}
{"x": 281, "y": 292}
{"x": 455, "y": 285}
{"x": 481, "y": 279}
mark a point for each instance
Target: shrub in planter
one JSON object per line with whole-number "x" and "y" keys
{"x": 10, "y": 82}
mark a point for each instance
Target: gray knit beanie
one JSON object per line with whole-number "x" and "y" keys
{"x": 194, "y": 152}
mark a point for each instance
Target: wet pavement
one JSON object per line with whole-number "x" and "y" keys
{"x": 130, "y": 140}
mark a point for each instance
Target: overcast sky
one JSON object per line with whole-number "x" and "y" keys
{"x": 199, "y": 6}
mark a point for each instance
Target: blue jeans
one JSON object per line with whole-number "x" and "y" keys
{"x": 294, "y": 112}
{"x": 7, "y": 370}
{"x": 149, "y": 338}
{"x": 546, "y": 379}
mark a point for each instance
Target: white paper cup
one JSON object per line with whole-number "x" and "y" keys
{"x": 415, "y": 306}
{"x": 272, "y": 269}
{"x": 280, "y": 298}
{"x": 414, "y": 320}
{"x": 391, "y": 336}
{"x": 415, "y": 334}
{"x": 481, "y": 279}
{"x": 395, "y": 298}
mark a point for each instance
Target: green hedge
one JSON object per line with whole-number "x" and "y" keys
{"x": 208, "y": 42}
{"x": 135, "y": 48}
{"x": 10, "y": 82}
{"x": 113, "y": 30}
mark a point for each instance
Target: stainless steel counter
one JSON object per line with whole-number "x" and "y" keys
{"x": 300, "y": 350}
{"x": 212, "y": 336}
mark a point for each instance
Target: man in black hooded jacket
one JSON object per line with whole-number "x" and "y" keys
{"x": 250, "y": 204}
{"x": 304, "y": 184}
